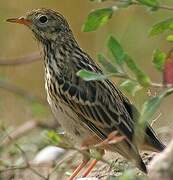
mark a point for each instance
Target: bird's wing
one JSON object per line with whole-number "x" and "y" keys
{"x": 101, "y": 106}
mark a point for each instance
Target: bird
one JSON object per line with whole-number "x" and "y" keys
{"x": 90, "y": 112}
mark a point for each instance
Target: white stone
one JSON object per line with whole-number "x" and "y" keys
{"x": 48, "y": 154}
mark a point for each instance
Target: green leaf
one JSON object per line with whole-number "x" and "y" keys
{"x": 159, "y": 59}
{"x": 170, "y": 38}
{"x": 59, "y": 140}
{"x": 67, "y": 173}
{"x": 116, "y": 50}
{"x": 97, "y": 18}
{"x": 161, "y": 27}
{"x": 125, "y": 4}
{"x": 53, "y": 137}
{"x": 107, "y": 66}
{"x": 142, "y": 78}
{"x": 90, "y": 76}
{"x": 151, "y": 106}
{"x": 131, "y": 86}
{"x": 149, "y": 3}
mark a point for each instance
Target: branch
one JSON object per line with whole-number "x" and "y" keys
{"x": 21, "y": 61}
{"x": 153, "y": 84}
{"x": 20, "y": 131}
{"x": 164, "y": 7}
{"x": 26, "y": 128}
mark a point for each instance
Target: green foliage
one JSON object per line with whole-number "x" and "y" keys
{"x": 169, "y": 38}
{"x": 59, "y": 140}
{"x": 116, "y": 50}
{"x": 107, "y": 66}
{"x": 150, "y": 106}
{"x": 154, "y": 4}
{"x": 142, "y": 78}
{"x": 159, "y": 59}
{"x": 97, "y": 18}
{"x": 130, "y": 86}
{"x": 120, "y": 57}
{"x": 90, "y": 76}
{"x": 161, "y": 27}
{"x": 115, "y": 67}
{"x": 54, "y": 138}
{"x": 148, "y": 110}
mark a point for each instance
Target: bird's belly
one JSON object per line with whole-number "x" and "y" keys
{"x": 70, "y": 122}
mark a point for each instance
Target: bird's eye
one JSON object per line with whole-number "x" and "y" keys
{"x": 43, "y": 19}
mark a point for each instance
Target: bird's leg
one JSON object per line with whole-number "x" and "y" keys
{"x": 90, "y": 167}
{"x": 112, "y": 138}
{"x": 93, "y": 163}
{"x": 80, "y": 167}
{"x": 89, "y": 141}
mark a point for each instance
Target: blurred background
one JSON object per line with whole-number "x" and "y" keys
{"x": 130, "y": 26}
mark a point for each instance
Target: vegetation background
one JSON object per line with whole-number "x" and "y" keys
{"x": 130, "y": 26}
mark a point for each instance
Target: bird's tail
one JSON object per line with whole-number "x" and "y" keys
{"x": 130, "y": 152}
{"x": 153, "y": 143}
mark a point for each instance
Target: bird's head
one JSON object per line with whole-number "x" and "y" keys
{"x": 46, "y": 24}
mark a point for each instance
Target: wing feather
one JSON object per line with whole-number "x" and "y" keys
{"x": 103, "y": 107}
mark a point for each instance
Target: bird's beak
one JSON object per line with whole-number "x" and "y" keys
{"x": 20, "y": 20}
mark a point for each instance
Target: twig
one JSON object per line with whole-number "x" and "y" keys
{"x": 153, "y": 84}
{"x": 153, "y": 121}
{"x": 43, "y": 165}
{"x": 164, "y": 7}
{"x": 20, "y": 131}
{"x": 13, "y": 168}
{"x": 24, "y": 129}
{"x": 21, "y": 61}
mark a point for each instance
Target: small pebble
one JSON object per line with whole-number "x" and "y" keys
{"x": 48, "y": 154}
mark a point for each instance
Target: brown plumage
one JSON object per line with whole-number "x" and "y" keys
{"x": 84, "y": 108}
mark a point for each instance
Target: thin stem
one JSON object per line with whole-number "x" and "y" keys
{"x": 13, "y": 168}
{"x": 164, "y": 7}
{"x": 157, "y": 85}
{"x": 126, "y": 76}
